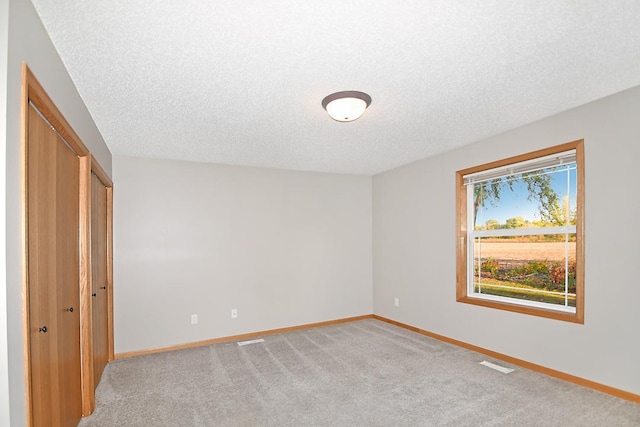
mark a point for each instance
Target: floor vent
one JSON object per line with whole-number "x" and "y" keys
{"x": 496, "y": 367}
{"x": 250, "y": 342}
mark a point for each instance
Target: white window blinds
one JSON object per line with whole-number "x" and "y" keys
{"x": 546, "y": 162}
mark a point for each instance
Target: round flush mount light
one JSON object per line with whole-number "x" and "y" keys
{"x": 346, "y": 106}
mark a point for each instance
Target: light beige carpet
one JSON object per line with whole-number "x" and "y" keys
{"x": 364, "y": 373}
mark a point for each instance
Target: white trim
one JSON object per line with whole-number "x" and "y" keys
{"x": 472, "y": 234}
{"x": 470, "y": 243}
{"x": 528, "y": 303}
{"x": 531, "y": 231}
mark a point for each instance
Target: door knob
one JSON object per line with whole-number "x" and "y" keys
{"x": 104, "y": 287}
{"x": 70, "y": 309}
{"x": 94, "y": 294}
{"x": 43, "y": 329}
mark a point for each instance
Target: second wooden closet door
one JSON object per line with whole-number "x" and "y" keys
{"x": 99, "y": 278}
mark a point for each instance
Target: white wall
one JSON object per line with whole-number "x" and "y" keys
{"x": 28, "y": 41}
{"x": 4, "y": 361}
{"x": 285, "y": 248}
{"x": 414, "y": 247}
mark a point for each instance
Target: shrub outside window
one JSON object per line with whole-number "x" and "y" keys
{"x": 520, "y": 233}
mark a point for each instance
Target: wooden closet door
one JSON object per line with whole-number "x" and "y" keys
{"x": 53, "y": 173}
{"x": 99, "y": 280}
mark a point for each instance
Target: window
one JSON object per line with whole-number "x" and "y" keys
{"x": 520, "y": 233}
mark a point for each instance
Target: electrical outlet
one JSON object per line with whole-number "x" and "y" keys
{"x": 396, "y": 302}
{"x": 234, "y": 313}
{"x": 194, "y": 319}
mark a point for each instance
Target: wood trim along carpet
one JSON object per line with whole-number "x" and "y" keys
{"x": 523, "y": 363}
{"x": 240, "y": 337}
{"x": 515, "y": 361}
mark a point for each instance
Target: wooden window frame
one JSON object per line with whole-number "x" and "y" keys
{"x": 462, "y": 241}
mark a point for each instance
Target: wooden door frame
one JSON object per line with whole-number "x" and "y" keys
{"x": 32, "y": 91}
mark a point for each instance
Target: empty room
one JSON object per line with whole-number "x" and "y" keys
{"x": 314, "y": 214}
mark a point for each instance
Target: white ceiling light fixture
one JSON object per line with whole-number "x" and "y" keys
{"x": 346, "y": 106}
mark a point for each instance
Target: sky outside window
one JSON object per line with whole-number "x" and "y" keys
{"x": 515, "y": 203}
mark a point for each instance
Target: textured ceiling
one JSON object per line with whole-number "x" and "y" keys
{"x": 241, "y": 82}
